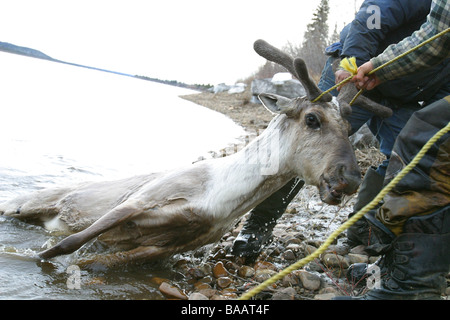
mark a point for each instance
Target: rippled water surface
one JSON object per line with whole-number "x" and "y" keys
{"x": 62, "y": 124}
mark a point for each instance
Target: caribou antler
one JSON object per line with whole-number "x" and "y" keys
{"x": 348, "y": 92}
{"x": 296, "y": 67}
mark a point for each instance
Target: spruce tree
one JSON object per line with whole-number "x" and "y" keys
{"x": 315, "y": 40}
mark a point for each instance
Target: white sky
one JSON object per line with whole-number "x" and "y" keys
{"x": 195, "y": 41}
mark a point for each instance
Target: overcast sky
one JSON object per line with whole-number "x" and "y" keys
{"x": 195, "y": 41}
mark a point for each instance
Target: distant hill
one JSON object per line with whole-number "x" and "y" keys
{"x": 33, "y": 53}
{"x": 12, "y": 48}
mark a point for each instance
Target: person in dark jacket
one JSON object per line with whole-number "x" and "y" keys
{"x": 398, "y": 19}
{"x": 412, "y": 223}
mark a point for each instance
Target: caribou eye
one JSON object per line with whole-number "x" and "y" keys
{"x": 312, "y": 121}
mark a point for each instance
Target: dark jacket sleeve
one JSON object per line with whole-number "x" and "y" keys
{"x": 398, "y": 19}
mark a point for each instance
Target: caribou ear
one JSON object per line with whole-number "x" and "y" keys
{"x": 277, "y": 104}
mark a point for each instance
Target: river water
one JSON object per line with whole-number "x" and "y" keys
{"x": 62, "y": 124}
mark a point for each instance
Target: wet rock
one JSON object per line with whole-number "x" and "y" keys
{"x": 296, "y": 247}
{"x": 220, "y": 254}
{"x": 338, "y": 249}
{"x": 290, "y": 280}
{"x": 206, "y": 268}
{"x": 284, "y": 294}
{"x": 288, "y": 255}
{"x": 357, "y": 258}
{"x": 309, "y": 280}
{"x": 329, "y": 290}
{"x": 308, "y": 249}
{"x": 324, "y": 296}
{"x": 219, "y": 270}
{"x": 197, "y": 296}
{"x": 172, "y": 292}
{"x": 223, "y": 282}
{"x": 332, "y": 260}
{"x": 262, "y": 275}
{"x": 246, "y": 272}
{"x": 231, "y": 267}
{"x": 209, "y": 293}
{"x": 196, "y": 273}
{"x": 361, "y": 249}
{"x": 202, "y": 285}
{"x": 95, "y": 281}
{"x": 265, "y": 265}
{"x": 158, "y": 280}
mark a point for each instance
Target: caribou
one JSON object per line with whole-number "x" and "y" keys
{"x": 157, "y": 215}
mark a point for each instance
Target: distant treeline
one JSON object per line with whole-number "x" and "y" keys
{"x": 199, "y": 87}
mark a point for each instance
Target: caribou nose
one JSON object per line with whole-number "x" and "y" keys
{"x": 351, "y": 178}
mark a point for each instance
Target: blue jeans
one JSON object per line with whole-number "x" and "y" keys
{"x": 384, "y": 130}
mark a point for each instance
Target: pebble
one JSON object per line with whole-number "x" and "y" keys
{"x": 265, "y": 265}
{"x": 324, "y": 296}
{"x": 288, "y": 255}
{"x": 290, "y": 280}
{"x": 197, "y": 296}
{"x": 284, "y": 294}
{"x": 333, "y": 260}
{"x": 172, "y": 292}
{"x": 309, "y": 280}
{"x": 158, "y": 280}
{"x": 361, "y": 249}
{"x": 262, "y": 275}
{"x": 209, "y": 293}
{"x": 357, "y": 258}
{"x": 219, "y": 270}
{"x": 246, "y": 272}
{"x": 202, "y": 285}
{"x": 223, "y": 282}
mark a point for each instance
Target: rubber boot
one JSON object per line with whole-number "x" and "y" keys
{"x": 416, "y": 263}
{"x": 360, "y": 232}
{"x": 262, "y": 219}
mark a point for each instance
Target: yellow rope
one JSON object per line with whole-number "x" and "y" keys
{"x": 352, "y": 71}
{"x": 350, "y": 221}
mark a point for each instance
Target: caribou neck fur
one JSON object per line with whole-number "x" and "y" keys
{"x": 241, "y": 181}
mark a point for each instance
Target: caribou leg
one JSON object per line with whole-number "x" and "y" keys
{"x": 75, "y": 241}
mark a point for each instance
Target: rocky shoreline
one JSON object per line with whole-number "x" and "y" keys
{"x": 212, "y": 273}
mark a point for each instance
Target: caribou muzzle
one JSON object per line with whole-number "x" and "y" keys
{"x": 342, "y": 181}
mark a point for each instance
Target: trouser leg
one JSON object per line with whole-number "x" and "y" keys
{"x": 259, "y": 225}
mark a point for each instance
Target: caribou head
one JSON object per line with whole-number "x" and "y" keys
{"x": 329, "y": 161}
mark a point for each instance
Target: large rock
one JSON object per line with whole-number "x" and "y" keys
{"x": 222, "y": 87}
{"x": 281, "y": 84}
{"x": 363, "y": 138}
